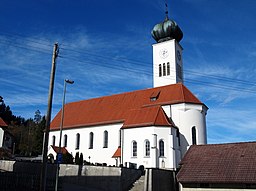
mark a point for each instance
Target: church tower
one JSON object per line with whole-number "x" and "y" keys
{"x": 167, "y": 53}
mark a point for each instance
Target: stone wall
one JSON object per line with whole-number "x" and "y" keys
{"x": 98, "y": 177}
{"x": 160, "y": 179}
{"x": 75, "y": 177}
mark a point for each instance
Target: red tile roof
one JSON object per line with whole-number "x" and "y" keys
{"x": 147, "y": 116}
{"x": 2, "y": 123}
{"x": 232, "y": 163}
{"x": 117, "y": 154}
{"x": 114, "y": 108}
{"x": 56, "y": 149}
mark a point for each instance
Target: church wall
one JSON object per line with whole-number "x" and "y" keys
{"x": 97, "y": 154}
{"x": 153, "y": 135}
{"x": 1, "y": 136}
{"x": 187, "y": 116}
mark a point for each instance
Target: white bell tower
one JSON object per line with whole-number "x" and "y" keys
{"x": 167, "y": 63}
{"x": 167, "y": 53}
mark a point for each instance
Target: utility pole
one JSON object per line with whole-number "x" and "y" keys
{"x": 48, "y": 120}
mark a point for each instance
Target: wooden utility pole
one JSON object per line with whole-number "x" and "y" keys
{"x": 48, "y": 120}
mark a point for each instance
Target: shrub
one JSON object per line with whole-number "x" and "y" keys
{"x": 77, "y": 158}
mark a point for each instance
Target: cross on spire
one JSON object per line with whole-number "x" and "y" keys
{"x": 166, "y": 9}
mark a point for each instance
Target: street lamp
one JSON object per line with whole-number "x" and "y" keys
{"x": 61, "y": 126}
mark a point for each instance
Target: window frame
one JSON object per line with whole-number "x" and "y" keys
{"x": 134, "y": 149}
{"x": 193, "y": 134}
{"x": 65, "y": 140}
{"x": 161, "y": 148}
{"x": 77, "y": 141}
{"x": 53, "y": 140}
{"x": 164, "y": 69}
{"x": 160, "y": 70}
{"x": 105, "y": 139}
{"x": 91, "y": 136}
{"x": 168, "y": 69}
{"x": 147, "y": 148}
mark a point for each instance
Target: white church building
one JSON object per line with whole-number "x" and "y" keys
{"x": 150, "y": 127}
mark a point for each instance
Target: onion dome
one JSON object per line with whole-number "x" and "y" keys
{"x": 167, "y": 30}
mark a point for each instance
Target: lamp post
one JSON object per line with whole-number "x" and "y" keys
{"x": 59, "y": 155}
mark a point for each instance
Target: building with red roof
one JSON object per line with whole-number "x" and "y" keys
{"x": 151, "y": 127}
{"x": 6, "y": 138}
{"x": 228, "y": 166}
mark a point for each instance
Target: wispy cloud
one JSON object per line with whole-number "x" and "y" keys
{"x": 82, "y": 57}
{"x": 232, "y": 124}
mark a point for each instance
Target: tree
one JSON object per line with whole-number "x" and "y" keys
{"x": 39, "y": 136}
{"x": 67, "y": 158}
{"x": 81, "y": 159}
{"x": 2, "y": 105}
{"x": 28, "y": 133}
{"x": 37, "y": 117}
{"x": 77, "y": 158}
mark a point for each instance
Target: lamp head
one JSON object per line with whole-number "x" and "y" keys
{"x": 69, "y": 81}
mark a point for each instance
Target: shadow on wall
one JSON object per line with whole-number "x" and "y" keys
{"x": 183, "y": 142}
{"x": 25, "y": 176}
{"x": 92, "y": 183}
{"x": 95, "y": 178}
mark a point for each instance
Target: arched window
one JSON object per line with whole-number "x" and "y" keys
{"x": 53, "y": 140}
{"x": 147, "y": 148}
{"x": 77, "y": 141}
{"x": 168, "y": 68}
{"x": 105, "y": 139}
{"x": 65, "y": 141}
{"x": 91, "y": 140}
{"x": 161, "y": 148}
{"x": 194, "y": 135}
{"x": 134, "y": 149}
{"x": 160, "y": 70}
{"x": 164, "y": 70}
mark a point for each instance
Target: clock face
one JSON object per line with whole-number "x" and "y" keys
{"x": 178, "y": 55}
{"x": 164, "y": 53}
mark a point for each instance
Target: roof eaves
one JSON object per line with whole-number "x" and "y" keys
{"x": 88, "y": 125}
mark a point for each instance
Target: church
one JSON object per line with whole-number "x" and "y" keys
{"x": 151, "y": 127}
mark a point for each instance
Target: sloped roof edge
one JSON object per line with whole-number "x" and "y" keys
{"x": 228, "y": 163}
{"x": 114, "y": 108}
{"x": 2, "y": 123}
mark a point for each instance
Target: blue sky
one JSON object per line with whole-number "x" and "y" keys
{"x": 105, "y": 47}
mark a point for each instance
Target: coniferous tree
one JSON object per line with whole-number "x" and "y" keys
{"x": 81, "y": 159}
{"x": 67, "y": 158}
{"x": 28, "y": 134}
{"x": 77, "y": 158}
{"x": 37, "y": 117}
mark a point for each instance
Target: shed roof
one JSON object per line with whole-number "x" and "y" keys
{"x": 117, "y": 153}
{"x": 231, "y": 163}
{"x": 115, "y": 108}
{"x": 2, "y": 123}
{"x": 63, "y": 150}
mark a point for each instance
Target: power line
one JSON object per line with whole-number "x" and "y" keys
{"x": 220, "y": 86}
{"x": 127, "y": 65}
{"x": 141, "y": 63}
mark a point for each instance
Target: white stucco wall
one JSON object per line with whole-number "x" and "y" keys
{"x": 1, "y": 137}
{"x": 185, "y": 116}
{"x": 97, "y": 154}
{"x": 172, "y": 49}
{"x": 140, "y": 135}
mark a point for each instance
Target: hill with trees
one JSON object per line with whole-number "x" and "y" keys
{"x": 28, "y": 133}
